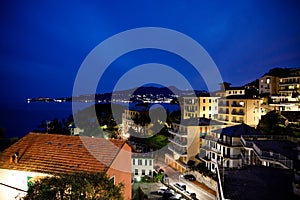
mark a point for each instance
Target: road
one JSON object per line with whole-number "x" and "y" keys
{"x": 175, "y": 176}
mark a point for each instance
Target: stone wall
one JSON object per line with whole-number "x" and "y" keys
{"x": 209, "y": 182}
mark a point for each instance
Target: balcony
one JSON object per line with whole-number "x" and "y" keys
{"x": 178, "y": 133}
{"x": 179, "y": 142}
{"x": 223, "y": 104}
{"x": 289, "y": 82}
{"x": 223, "y": 112}
{"x": 178, "y": 150}
{"x": 236, "y": 105}
{"x": 240, "y": 112}
{"x": 238, "y": 156}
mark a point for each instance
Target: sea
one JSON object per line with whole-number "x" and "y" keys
{"x": 19, "y": 119}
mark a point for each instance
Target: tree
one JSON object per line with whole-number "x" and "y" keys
{"x": 80, "y": 185}
{"x": 272, "y": 123}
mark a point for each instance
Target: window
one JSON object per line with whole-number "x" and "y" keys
{"x": 209, "y": 100}
{"x": 209, "y": 108}
{"x": 203, "y": 108}
{"x": 203, "y": 100}
{"x": 133, "y": 161}
{"x": 209, "y": 115}
{"x": 150, "y": 172}
{"x": 268, "y": 80}
{"x": 136, "y": 172}
{"x": 150, "y": 162}
{"x": 213, "y": 156}
{"x": 139, "y": 162}
{"x": 143, "y": 172}
{"x": 146, "y": 162}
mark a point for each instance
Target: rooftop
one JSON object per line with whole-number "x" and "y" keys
{"x": 237, "y": 130}
{"x": 52, "y": 153}
{"x": 258, "y": 182}
{"x": 199, "y": 122}
{"x": 240, "y": 97}
{"x": 284, "y": 147}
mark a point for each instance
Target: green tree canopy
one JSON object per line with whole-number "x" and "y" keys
{"x": 272, "y": 123}
{"x": 89, "y": 186}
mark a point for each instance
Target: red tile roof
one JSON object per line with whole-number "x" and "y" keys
{"x": 51, "y": 153}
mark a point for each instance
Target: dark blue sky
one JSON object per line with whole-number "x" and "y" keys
{"x": 44, "y": 43}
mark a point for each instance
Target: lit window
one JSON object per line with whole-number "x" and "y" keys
{"x": 268, "y": 80}
{"x": 242, "y": 103}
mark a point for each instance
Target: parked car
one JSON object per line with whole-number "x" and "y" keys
{"x": 189, "y": 177}
{"x": 180, "y": 186}
{"x": 168, "y": 194}
{"x": 176, "y": 196}
{"x": 162, "y": 190}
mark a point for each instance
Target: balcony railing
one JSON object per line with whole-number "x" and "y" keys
{"x": 208, "y": 148}
{"x": 178, "y": 150}
{"x": 178, "y": 133}
{"x": 248, "y": 141}
{"x": 223, "y": 104}
{"x": 223, "y": 112}
{"x": 236, "y": 105}
{"x": 237, "y": 156}
{"x": 238, "y": 113}
{"x": 182, "y": 143}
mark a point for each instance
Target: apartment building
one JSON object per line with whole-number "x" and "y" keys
{"x": 223, "y": 146}
{"x": 237, "y": 109}
{"x": 289, "y": 87}
{"x": 128, "y": 123}
{"x": 202, "y": 106}
{"x": 268, "y": 85}
{"x": 142, "y": 165}
{"x": 186, "y": 141}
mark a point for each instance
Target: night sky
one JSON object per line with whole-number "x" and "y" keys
{"x": 43, "y": 43}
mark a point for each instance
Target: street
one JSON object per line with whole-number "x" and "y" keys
{"x": 175, "y": 176}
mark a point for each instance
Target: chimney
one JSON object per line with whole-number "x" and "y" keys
{"x": 14, "y": 158}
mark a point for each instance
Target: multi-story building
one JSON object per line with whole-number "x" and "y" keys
{"x": 268, "y": 85}
{"x": 236, "y": 109}
{"x": 202, "y": 106}
{"x": 186, "y": 141}
{"x": 142, "y": 165}
{"x": 226, "y": 90}
{"x": 223, "y": 146}
{"x": 289, "y": 87}
{"x": 128, "y": 122}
